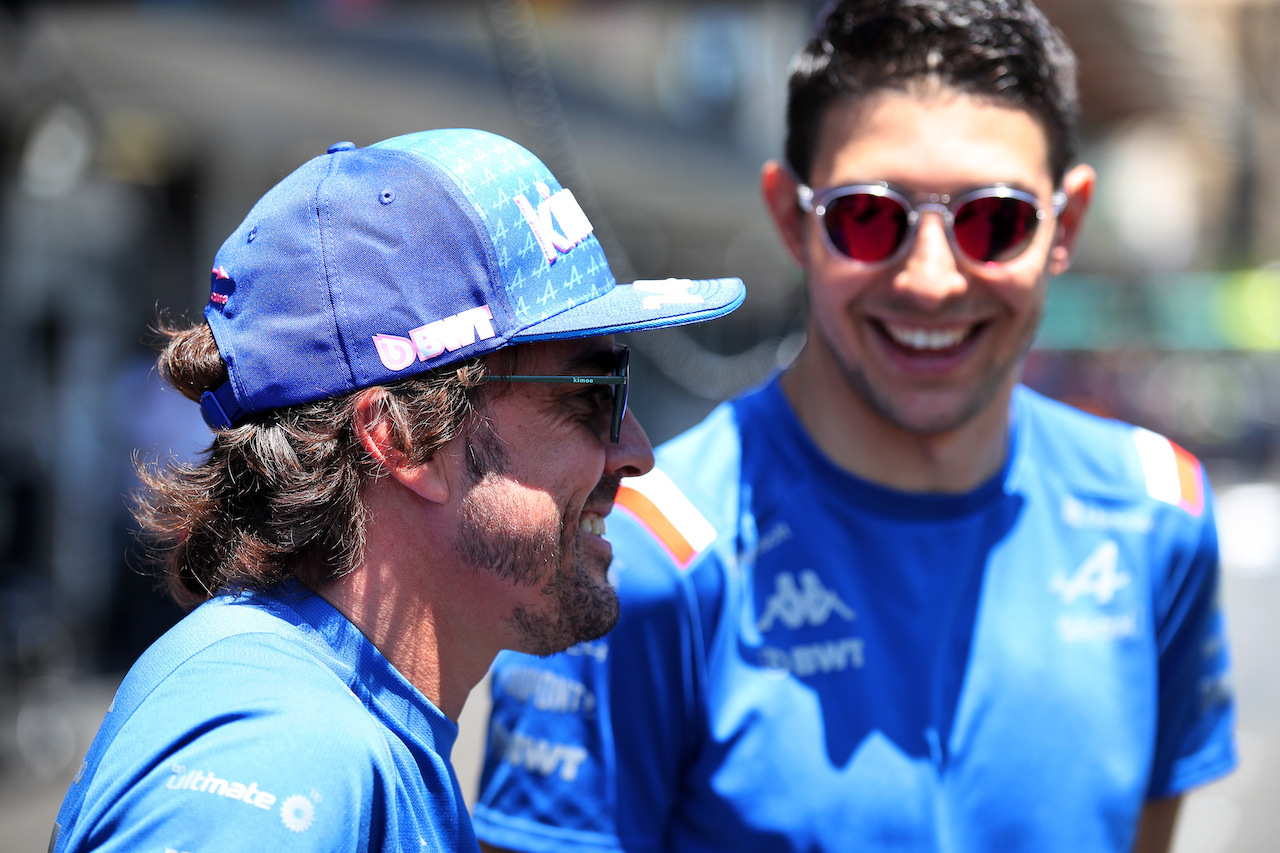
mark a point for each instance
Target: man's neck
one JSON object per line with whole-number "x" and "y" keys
{"x": 413, "y": 640}
{"x": 404, "y": 597}
{"x": 857, "y": 438}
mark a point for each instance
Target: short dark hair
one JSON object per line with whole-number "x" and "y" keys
{"x": 279, "y": 495}
{"x": 1005, "y": 50}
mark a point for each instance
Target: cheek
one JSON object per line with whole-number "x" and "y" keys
{"x": 520, "y": 509}
{"x": 1024, "y": 292}
{"x": 833, "y": 289}
{"x": 1021, "y": 285}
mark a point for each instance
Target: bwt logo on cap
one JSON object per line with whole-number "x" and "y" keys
{"x": 430, "y": 340}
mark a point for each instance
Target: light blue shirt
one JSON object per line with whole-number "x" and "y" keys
{"x": 267, "y": 722}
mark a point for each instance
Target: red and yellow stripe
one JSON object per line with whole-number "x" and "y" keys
{"x": 1190, "y": 481}
{"x": 1173, "y": 475}
{"x": 661, "y": 508}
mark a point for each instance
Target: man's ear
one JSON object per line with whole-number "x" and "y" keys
{"x": 778, "y": 187}
{"x": 386, "y": 442}
{"x": 1078, "y": 185}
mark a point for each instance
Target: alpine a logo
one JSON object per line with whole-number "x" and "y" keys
{"x": 1098, "y": 576}
{"x": 800, "y": 600}
{"x": 430, "y": 340}
{"x": 560, "y": 208}
{"x": 1096, "y": 584}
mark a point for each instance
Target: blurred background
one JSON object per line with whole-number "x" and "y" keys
{"x": 134, "y": 136}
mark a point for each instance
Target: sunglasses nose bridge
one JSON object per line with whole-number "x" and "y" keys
{"x": 931, "y": 273}
{"x": 917, "y": 220}
{"x": 934, "y": 207}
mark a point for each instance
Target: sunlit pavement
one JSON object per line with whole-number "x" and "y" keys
{"x": 43, "y": 737}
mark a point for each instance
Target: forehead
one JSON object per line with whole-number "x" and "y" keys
{"x": 936, "y": 141}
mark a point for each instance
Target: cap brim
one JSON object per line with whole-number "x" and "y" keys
{"x": 641, "y": 305}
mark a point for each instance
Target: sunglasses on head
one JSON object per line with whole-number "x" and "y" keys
{"x": 619, "y": 379}
{"x": 875, "y": 223}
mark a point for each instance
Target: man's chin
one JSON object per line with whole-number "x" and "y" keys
{"x": 596, "y": 622}
{"x": 587, "y": 611}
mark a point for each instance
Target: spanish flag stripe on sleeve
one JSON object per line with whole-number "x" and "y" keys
{"x": 1173, "y": 475}
{"x": 660, "y": 506}
{"x": 643, "y": 510}
{"x": 1190, "y": 481}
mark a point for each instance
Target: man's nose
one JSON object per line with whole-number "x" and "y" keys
{"x": 633, "y": 454}
{"x": 931, "y": 274}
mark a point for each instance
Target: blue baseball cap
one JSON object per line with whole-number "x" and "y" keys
{"x": 367, "y": 265}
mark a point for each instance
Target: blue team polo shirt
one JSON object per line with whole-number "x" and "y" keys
{"x": 808, "y": 661}
{"x": 267, "y": 721}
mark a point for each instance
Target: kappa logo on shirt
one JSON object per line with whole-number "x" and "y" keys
{"x": 802, "y": 599}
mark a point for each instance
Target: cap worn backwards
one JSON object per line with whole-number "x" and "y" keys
{"x": 370, "y": 264}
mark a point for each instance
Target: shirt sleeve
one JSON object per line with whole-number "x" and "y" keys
{"x": 586, "y": 747}
{"x": 1194, "y": 742}
{"x": 240, "y": 771}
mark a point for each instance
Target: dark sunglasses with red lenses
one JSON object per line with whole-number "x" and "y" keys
{"x": 875, "y": 223}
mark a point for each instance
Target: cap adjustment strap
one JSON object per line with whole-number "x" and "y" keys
{"x": 219, "y": 407}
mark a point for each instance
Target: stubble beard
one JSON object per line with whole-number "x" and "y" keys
{"x": 578, "y": 607}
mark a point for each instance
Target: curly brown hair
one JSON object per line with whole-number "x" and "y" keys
{"x": 279, "y": 495}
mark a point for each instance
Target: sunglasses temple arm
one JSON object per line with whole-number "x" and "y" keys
{"x": 562, "y": 380}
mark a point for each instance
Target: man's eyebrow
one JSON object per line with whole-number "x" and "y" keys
{"x": 601, "y": 361}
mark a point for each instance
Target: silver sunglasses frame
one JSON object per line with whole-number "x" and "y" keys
{"x": 817, "y": 201}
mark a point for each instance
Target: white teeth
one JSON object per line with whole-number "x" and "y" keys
{"x": 592, "y": 523}
{"x": 927, "y": 339}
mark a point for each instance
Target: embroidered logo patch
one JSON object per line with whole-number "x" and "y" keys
{"x": 561, "y": 208}
{"x": 221, "y": 286}
{"x": 432, "y": 339}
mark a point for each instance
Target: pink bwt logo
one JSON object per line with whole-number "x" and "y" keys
{"x": 432, "y": 339}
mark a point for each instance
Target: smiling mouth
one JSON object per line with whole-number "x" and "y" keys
{"x": 593, "y": 523}
{"x": 940, "y": 340}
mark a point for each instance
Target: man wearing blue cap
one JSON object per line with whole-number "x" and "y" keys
{"x": 419, "y": 424}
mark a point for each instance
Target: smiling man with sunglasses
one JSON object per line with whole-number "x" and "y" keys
{"x": 893, "y": 600}
{"x": 419, "y": 423}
